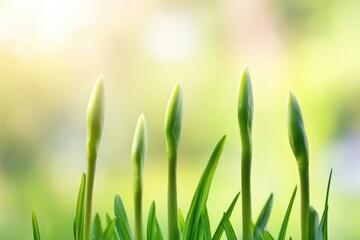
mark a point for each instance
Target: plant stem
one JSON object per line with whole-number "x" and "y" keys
{"x": 305, "y": 202}
{"x": 246, "y": 189}
{"x": 172, "y": 199}
{"x": 138, "y": 214}
{"x": 90, "y": 176}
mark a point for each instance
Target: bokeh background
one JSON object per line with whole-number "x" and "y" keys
{"x": 52, "y": 51}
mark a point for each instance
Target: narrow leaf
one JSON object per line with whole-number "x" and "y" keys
{"x": 109, "y": 231}
{"x": 263, "y": 218}
{"x": 79, "y": 217}
{"x": 35, "y": 226}
{"x": 324, "y": 218}
{"x": 151, "y": 225}
{"x": 96, "y": 228}
{"x": 122, "y": 223}
{"x": 225, "y": 219}
{"x": 229, "y": 230}
{"x": 267, "y": 236}
{"x": 202, "y": 191}
{"x": 181, "y": 221}
{"x": 205, "y": 224}
{"x": 285, "y": 222}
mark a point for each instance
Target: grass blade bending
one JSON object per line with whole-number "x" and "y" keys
{"x": 205, "y": 224}
{"x": 225, "y": 219}
{"x": 173, "y": 124}
{"x": 94, "y": 125}
{"x": 245, "y": 118}
{"x": 263, "y": 218}
{"x": 299, "y": 145}
{"x": 285, "y": 222}
{"x": 138, "y": 158}
{"x": 35, "y": 226}
{"x": 198, "y": 202}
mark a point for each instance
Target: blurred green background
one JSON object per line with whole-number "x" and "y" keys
{"x": 51, "y": 53}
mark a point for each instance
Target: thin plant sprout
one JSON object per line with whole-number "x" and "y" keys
{"x": 245, "y": 117}
{"x": 173, "y": 122}
{"x": 299, "y": 146}
{"x": 94, "y": 125}
{"x": 138, "y": 156}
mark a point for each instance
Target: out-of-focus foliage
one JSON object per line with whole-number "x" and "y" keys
{"x": 50, "y": 52}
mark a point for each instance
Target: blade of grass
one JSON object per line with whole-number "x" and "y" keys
{"x": 324, "y": 218}
{"x": 151, "y": 225}
{"x": 79, "y": 217}
{"x": 220, "y": 229}
{"x": 181, "y": 221}
{"x": 229, "y": 230}
{"x": 202, "y": 191}
{"x": 263, "y": 218}
{"x": 109, "y": 231}
{"x": 96, "y": 232}
{"x": 205, "y": 224}
{"x": 285, "y": 222}
{"x": 35, "y": 225}
{"x": 122, "y": 223}
{"x": 267, "y": 236}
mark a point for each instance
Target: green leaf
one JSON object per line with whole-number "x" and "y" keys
{"x": 314, "y": 234}
{"x": 267, "y": 236}
{"x": 323, "y": 223}
{"x": 109, "y": 231}
{"x": 151, "y": 225}
{"x": 285, "y": 222}
{"x": 225, "y": 219}
{"x": 153, "y": 228}
{"x": 296, "y": 131}
{"x": 97, "y": 232}
{"x": 229, "y": 230}
{"x": 263, "y": 218}
{"x": 122, "y": 223}
{"x": 205, "y": 224}
{"x": 79, "y": 217}
{"x": 181, "y": 221}
{"x": 95, "y": 117}
{"x": 35, "y": 226}
{"x": 201, "y": 194}
{"x": 173, "y": 119}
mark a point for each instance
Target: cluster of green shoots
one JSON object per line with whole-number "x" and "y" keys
{"x": 196, "y": 225}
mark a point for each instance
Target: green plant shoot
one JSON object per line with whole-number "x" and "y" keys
{"x": 245, "y": 118}
{"x": 138, "y": 156}
{"x": 173, "y": 123}
{"x": 94, "y": 124}
{"x": 299, "y": 146}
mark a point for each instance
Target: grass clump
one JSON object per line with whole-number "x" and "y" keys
{"x": 196, "y": 223}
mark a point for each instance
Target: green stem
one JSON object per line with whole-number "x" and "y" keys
{"x": 305, "y": 202}
{"x": 246, "y": 189}
{"x": 89, "y": 194}
{"x": 172, "y": 200}
{"x": 138, "y": 208}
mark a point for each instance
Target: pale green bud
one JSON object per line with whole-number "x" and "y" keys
{"x": 95, "y": 118}
{"x": 296, "y": 131}
{"x": 173, "y": 119}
